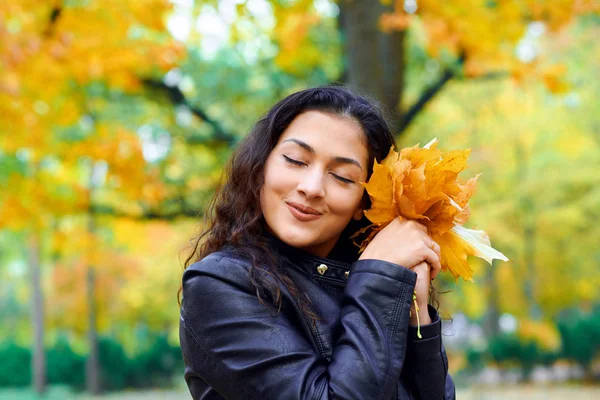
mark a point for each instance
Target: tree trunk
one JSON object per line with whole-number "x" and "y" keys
{"x": 38, "y": 361}
{"x": 529, "y": 237}
{"x": 491, "y": 326}
{"x": 93, "y": 361}
{"x": 529, "y": 234}
{"x": 92, "y": 364}
{"x": 374, "y": 59}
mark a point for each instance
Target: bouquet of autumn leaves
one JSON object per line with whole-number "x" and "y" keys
{"x": 422, "y": 184}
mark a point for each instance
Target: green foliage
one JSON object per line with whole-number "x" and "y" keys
{"x": 580, "y": 335}
{"x": 15, "y": 368}
{"x": 64, "y": 365}
{"x": 475, "y": 358}
{"x": 509, "y": 348}
{"x": 153, "y": 367}
{"x": 113, "y": 364}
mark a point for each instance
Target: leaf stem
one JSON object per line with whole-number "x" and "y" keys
{"x": 417, "y": 312}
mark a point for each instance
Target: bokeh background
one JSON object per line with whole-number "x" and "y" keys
{"x": 117, "y": 116}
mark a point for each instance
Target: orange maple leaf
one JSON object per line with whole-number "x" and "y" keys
{"x": 422, "y": 184}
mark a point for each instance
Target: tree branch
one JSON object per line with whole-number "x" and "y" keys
{"x": 54, "y": 15}
{"x": 176, "y": 96}
{"x": 98, "y": 210}
{"x": 427, "y": 95}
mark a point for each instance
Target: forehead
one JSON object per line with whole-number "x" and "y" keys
{"x": 329, "y": 134}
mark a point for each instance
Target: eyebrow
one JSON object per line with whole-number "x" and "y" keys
{"x": 339, "y": 160}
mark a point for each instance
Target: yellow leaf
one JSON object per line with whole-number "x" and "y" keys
{"x": 461, "y": 242}
{"x": 381, "y": 193}
{"x": 454, "y": 252}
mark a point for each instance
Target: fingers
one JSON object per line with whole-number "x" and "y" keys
{"x": 438, "y": 251}
{"x": 433, "y": 259}
{"x": 432, "y": 255}
{"x": 415, "y": 246}
{"x": 422, "y": 287}
{"x": 421, "y": 268}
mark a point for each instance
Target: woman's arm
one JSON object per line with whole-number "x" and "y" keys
{"x": 239, "y": 348}
{"x": 426, "y": 363}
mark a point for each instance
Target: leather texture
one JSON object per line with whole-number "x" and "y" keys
{"x": 362, "y": 346}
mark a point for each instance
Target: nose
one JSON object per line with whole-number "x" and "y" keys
{"x": 311, "y": 184}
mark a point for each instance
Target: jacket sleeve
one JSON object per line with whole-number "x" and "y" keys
{"x": 244, "y": 351}
{"x": 427, "y": 364}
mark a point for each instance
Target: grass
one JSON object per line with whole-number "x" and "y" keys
{"x": 475, "y": 393}
{"x": 530, "y": 393}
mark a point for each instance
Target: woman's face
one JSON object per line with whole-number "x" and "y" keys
{"x": 312, "y": 181}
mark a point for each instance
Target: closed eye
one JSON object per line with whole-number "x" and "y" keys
{"x": 292, "y": 161}
{"x": 339, "y": 178}
{"x": 300, "y": 163}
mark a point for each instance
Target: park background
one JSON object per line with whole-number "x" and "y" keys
{"x": 117, "y": 117}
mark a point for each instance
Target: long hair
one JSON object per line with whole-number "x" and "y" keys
{"x": 234, "y": 216}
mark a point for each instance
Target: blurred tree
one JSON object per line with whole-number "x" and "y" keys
{"x": 59, "y": 64}
{"x": 468, "y": 39}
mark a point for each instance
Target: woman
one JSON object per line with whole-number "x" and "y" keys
{"x": 279, "y": 305}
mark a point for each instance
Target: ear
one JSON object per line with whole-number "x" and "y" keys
{"x": 359, "y": 213}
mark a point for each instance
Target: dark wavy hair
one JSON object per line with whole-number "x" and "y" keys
{"x": 234, "y": 217}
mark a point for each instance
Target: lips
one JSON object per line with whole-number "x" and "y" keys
{"x": 302, "y": 213}
{"x": 304, "y": 209}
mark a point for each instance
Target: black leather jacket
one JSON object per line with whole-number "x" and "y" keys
{"x": 362, "y": 346}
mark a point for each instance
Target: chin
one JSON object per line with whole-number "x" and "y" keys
{"x": 298, "y": 239}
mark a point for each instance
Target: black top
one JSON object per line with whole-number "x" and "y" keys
{"x": 361, "y": 348}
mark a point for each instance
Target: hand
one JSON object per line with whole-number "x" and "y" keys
{"x": 422, "y": 292}
{"x": 405, "y": 243}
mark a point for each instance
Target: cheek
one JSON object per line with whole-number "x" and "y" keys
{"x": 275, "y": 182}
{"x": 345, "y": 202}
{"x": 269, "y": 186}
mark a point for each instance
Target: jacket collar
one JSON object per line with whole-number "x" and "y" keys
{"x": 306, "y": 261}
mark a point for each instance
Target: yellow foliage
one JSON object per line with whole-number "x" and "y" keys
{"x": 41, "y": 58}
{"x": 389, "y": 22}
{"x": 545, "y": 334}
{"x": 554, "y": 79}
{"x": 485, "y": 34}
{"x": 512, "y": 298}
{"x": 293, "y": 23}
{"x": 152, "y": 299}
{"x": 49, "y": 52}
{"x": 67, "y": 296}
